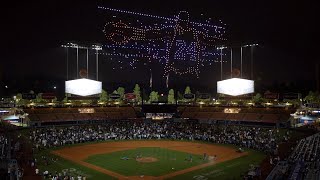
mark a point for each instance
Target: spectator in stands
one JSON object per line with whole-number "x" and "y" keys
{"x": 255, "y": 138}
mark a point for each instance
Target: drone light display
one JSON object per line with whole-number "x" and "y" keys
{"x": 181, "y": 46}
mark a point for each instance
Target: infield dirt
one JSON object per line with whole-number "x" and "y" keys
{"x": 78, "y": 154}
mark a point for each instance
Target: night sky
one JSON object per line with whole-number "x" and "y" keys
{"x": 33, "y": 32}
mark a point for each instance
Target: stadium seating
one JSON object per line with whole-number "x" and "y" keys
{"x": 61, "y": 110}
{"x": 65, "y": 116}
{"x": 34, "y": 117}
{"x": 71, "y": 114}
{"x": 270, "y": 118}
{"x": 303, "y": 163}
{"x": 219, "y": 116}
{"x": 81, "y": 116}
{"x": 98, "y": 116}
{"x": 235, "y": 117}
{"x": 203, "y": 115}
{"x": 188, "y": 114}
{"x": 47, "y": 117}
{"x": 306, "y": 156}
{"x": 251, "y": 117}
{"x": 262, "y": 115}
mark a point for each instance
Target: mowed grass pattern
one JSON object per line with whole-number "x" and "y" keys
{"x": 229, "y": 170}
{"x": 72, "y": 169}
{"x": 168, "y": 161}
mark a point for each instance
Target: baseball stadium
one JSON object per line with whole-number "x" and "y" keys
{"x": 154, "y": 95}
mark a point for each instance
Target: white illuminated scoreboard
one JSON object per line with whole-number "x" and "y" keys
{"x": 235, "y": 86}
{"x": 83, "y": 87}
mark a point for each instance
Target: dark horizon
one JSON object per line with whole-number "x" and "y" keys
{"x": 34, "y": 31}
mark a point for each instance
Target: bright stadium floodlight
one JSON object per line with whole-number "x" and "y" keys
{"x": 250, "y": 45}
{"x": 83, "y": 87}
{"x": 96, "y": 47}
{"x": 73, "y": 45}
{"x": 235, "y": 86}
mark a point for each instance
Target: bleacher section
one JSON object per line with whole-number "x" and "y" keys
{"x": 303, "y": 163}
{"x": 307, "y": 154}
{"x": 259, "y": 115}
{"x": 251, "y": 117}
{"x": 235, "y": 117}
{"x": 270, "y": 118}
{"x": 72, "y": 114}
{"x": 218, "y": 116}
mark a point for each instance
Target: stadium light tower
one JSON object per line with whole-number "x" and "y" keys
{"x": 221, "y": 48}
{"x": 97, "y": 48}
{"x": 236, "y": 86}
{"x": 251, "y": 50}
{"x": 83, "y": 86}
{"x": 87, "y": 48}
{"x": 231, "y": 62}
{"x": 74, "y": 46}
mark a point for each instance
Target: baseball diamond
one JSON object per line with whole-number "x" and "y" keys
{"x": 106, "y": 157}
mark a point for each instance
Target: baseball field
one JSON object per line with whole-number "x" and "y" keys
{"x": 151, "y": 160}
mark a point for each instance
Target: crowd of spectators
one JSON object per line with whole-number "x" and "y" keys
{"x": 306, "y": 158}
{"x": 3, "y": 146}
{"x": 262, "y": 139}
{"x": 9, "y": 165}
{"x": 303, "y": 163}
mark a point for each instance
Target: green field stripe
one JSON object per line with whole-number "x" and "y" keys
{"x": 62, "y": 164}
{"x": 131, "y": 167}
{"x": 232, "y": 169}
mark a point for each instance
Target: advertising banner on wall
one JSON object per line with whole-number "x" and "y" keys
{"x": 188, "y": 96}
{"x": 48, "y": 95}
{"x": 270, "y": 95}
{"x": 203, "y": 96}
{"x": 28, "y": 96}
{"x": 130, "y": 96}
{"x": 114, "y": 96}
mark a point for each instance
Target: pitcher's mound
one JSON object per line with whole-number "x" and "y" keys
{"x": 147, "y": 159}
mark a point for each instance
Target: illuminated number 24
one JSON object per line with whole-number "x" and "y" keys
{"x": 184, "y": 50}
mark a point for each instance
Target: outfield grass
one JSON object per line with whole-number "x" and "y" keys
{"x": 229, "y": 170}
{"x": 60, "y": 165}
{"x": 168, "y": 161}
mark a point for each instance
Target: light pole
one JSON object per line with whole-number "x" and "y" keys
{"x": 221, "y": 48}
{"x": 87, "y": 63}
{"x": 77, "y": 61}
{"x": 221, "y": 62}
{"x": 72, "y": 45}
{"x": 241, "y": 61}
{"x": 97, "y": 48}
{"x": 67, "y": 51}
{"x": 251, "y": 57}
{"x": 151, "y": 80}
{"x": 231, "y": 62}
{"x": 77, "y": 47}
